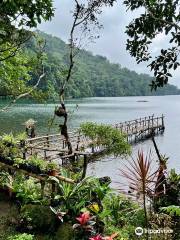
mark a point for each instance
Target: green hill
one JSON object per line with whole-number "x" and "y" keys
{"x": 94, "y": 75}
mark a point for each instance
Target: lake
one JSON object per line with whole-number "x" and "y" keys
{"x": 107, "y": 110}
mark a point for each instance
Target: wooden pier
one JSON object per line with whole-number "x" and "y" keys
{"x": 142, "y": 128}
{"x": 54, "y": 148}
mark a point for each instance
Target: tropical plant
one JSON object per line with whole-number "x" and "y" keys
{"x": 141, "y": 179}
{"x": 121, "y": 211}
{"x": 52, "y": 166}
{"x": 38, "y": 218}
{"x": 26, "y": 189}
{"x": 87, "y": 193}
{"x": 21, "y": 136}
{"x": 5, "y": 179}
{"x": 172, "y": 196}
{"x": 18, "y": 161}
{"x": 172, "y": 210}
{"x": 37, "y": 162}
{"x": 9, "y": 140}
{"x": 70, "y": 194}
{"x": 83, "y": 220}
{"x": 59, "y": 213}
{"x": 110, "y": 139}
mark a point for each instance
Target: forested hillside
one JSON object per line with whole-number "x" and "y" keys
{"x": 93, "y": 75}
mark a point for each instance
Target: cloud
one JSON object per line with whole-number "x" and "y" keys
{"x": 112, "y": 42}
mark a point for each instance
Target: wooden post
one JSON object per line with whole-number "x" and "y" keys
{"x": 47, "y": 138}
{"x": 149, "y": 125}
{"x": 78, "y": 142}
{"x": 31, "y": 148}
{"x": 23, "y": 147}
{"x": 163, "y": 126}
{"x": 42, "y": 188}
{"x": 156, "y": 148}
{"x": 84, "y": 167}
{"x": 45, "y": 155}
{"x": 152, "y": 121}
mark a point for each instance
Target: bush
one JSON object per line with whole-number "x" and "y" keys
{"x": 64, "y": 232}
{"x": 26, "y": 189}
{"x": 107, "y": 137}
{"x": 23, "y": 236}
{"x": 37, "y": 217}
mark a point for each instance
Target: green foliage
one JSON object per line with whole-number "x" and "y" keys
{"x": 121, "y": 215}
{"x": 5, "y": 179}
{"x": 122, "y": 211}
{"x": 172, "y": 210}
{"x": 8, "y": 146}
{"x": 156, "y": 17}
{"x": 18, "y": 161}
{"x": 26, "y": 189}
{"x": 107, "y": 137}
{"x": 64, "y": 232}
{"x": 38, "y": 162}
{"x": 38, "y": 217}
{"x": 9, "y": 139}
{"x": 20, "y": 15}
{"x": 21, "y": 136}
{"x": 92, "y": 75}
{"x": 23, "y": 236}
{"x": 73, "y": 198}
{"x": 19, "y": 71}
{"x": 52, "y": 166}
{"x": 172, "y": 196}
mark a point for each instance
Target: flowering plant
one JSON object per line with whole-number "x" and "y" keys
{"x": 85, "y": 222}
{"x": 99, "y": 237}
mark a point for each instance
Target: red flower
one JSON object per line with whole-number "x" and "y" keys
{"x": 98, "y": 237}
{"x": 84, "y": 218}
{"x": 111, "y": 237}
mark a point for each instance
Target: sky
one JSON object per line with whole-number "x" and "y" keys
{"x": 112, "y": 41}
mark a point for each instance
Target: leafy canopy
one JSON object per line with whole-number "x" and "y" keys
{"x": 16, "y": 73}
{"x": 106, "y": 136}
{"x": 158, "y": 17}
{"x": 22, "y": 13}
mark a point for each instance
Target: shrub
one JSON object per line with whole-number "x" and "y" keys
{"x": 64, "y": 232}
{"x": 37, "y": 217}
{"x": 23, "y": 236}
{"x": 26, "y": 189}
{"x": 107, "y": 137}
{"x": 38, "y": 162}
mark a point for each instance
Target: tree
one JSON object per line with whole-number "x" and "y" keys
{"x": 16, "y": 74}
{"x": 16, "y": 67}
{"x": 158, "y": 17}
{"x": 85, "y": 19}
{"x": 16, "y": 18}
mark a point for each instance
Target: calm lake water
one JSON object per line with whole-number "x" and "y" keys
{"x": 107, "y": 110}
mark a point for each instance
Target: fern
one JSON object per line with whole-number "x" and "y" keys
{"x": 171, "y": 210}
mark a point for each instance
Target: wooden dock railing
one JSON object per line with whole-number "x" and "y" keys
{"x": 53, "y": 147}
{"x": 142, "y": 128}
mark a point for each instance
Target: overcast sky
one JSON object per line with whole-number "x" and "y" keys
{"x": 112, "y": 42}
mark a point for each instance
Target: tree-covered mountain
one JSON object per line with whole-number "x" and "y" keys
{"x": 93, "y": 75}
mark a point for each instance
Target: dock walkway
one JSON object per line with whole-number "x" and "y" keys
{"x": 54, "y": 147}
